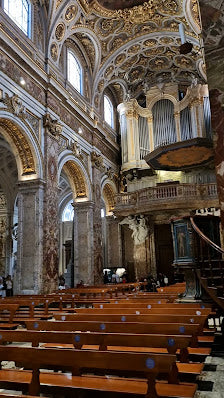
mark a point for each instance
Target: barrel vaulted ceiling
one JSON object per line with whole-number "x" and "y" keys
{"x": 129, "y": 49}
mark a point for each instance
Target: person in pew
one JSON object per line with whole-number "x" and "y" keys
{"x": 9, "y": 286}
{"x": 2, "y": 290}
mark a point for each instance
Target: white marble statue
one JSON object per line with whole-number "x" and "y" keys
{"x": 138, "y": 226}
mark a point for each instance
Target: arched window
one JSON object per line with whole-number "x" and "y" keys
{"x": 108, "y": 111}
{"x": 74, "y": 72}
{"x": 68, "y": 212}
{"x": 20, "y": 12}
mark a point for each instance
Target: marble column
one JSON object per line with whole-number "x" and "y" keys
{"x": 212, "y": 15}
{"x": 28, "y": 270}
{"x": 51, "y": 221}
{"x": 83, "y": 242}
{"x": 97, "y": 224}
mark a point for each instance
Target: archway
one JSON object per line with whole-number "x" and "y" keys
{"x": 21, "y": 206}
{"x": 75, "y": 217}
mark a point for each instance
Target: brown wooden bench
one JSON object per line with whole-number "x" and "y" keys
{"x": 196, "y": 353}
{"x": 154, "y": 318}
{"x": 26, "y": 309}
{"x": 7, "y": 313}
{"x": 103, "y": 341}
{"x": 119, "y": 327}
{"x": 151, "y": 304}
{"x": 144, "y": 311}
{"x": 145, "y": 366}
{"x": 156, "y": 343}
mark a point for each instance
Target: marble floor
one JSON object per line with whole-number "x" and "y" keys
{"x": 217, "y": 377}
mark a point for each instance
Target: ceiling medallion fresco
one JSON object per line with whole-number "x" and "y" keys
{"x": 137, "y": 44}
{"x": 119, "y": 4}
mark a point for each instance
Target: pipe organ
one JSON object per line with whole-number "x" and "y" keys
{"x": 166, "y": 120}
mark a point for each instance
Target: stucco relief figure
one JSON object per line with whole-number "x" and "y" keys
{"x": 138, "y": 227}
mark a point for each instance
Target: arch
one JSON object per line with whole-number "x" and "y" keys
{"x": 108, "y": 192}
{"x": 77, "y": 176}
{"x": 28, "y": 157}
{"x": 165, "y": 96}
{"x": 67, "y": 28}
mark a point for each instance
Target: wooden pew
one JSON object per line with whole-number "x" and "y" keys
{"x": 128, "y": 327}
{"x": 151, "y": 304}
{"x": 119, "y": 327}
{"x": 146, "y": 366}
{"x": 103, "y": 341}
{"x": 144, "y": 311}
{"x": 26, "y": 309}
{"x": 7, "y": 313}
{"x": 154, "y": 318}
{"x": 156, "y": 343}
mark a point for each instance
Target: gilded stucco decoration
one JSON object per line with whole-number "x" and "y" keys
{"x": 109, "y": 197}
{"x": 76, "y": 175}
{"x": 21, "y": 144}
{"x": 135, "y": 45}
{"x": 60, "y": 31}
{"x": 88, "y": 45}
{"x": 70, "y": 13}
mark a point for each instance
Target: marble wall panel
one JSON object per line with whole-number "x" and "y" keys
{"x": 28, "y": 270}
{"x": 51, "y": 222}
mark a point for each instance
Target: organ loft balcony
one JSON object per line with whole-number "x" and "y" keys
{"x": 167, "y": 197}
{"x": 167, "y": 153}
{"x": 173, "y": 131}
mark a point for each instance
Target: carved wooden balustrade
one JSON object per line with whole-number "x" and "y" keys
{"x": 189, "y": 196}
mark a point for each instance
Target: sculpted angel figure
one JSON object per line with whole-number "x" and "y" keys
{"x": 138, "y": 227}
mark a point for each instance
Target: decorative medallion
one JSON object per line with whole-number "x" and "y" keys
{"x": 60, "y": 31}
{"x": 70, "y": 13}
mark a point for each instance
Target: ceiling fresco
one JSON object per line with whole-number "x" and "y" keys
{"x": 119, "y": 4}
{"x": 131, "y": 49}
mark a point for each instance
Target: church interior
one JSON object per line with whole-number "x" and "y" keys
{"x": 112, "y": 189}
